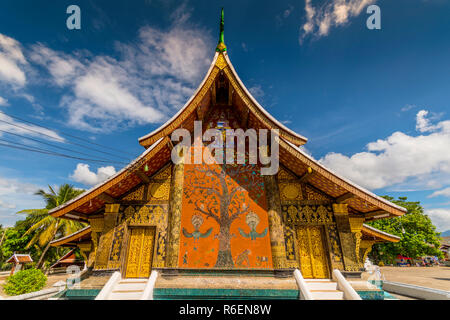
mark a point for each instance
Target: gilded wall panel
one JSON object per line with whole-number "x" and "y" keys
{"x": 114, "y": 257}
{"x": 335, "y": 247}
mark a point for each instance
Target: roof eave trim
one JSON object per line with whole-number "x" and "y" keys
{"x": 382, "y": 234}
{"x": 63, "y": 240}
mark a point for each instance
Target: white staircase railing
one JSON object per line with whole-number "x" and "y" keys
{"x": 305, "y": 294}
{"x": 149, "y": 287}
{"x": 109, "y": 286}
{"x": 344, "y": 286}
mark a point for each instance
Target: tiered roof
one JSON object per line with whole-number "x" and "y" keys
{"x": 361, "y": 202}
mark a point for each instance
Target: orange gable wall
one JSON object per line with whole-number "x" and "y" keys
{"x": 210, "y": 236}
{"x": 200, "y": 248}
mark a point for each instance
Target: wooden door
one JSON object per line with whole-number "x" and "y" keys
{"x": 313, "y": 259}
{"x": 140, "y": 253}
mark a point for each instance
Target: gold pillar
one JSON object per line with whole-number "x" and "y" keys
{"x": 104, "y": 246}
{"x": 85, "y": 249}
{"x": 97, "y": 228}
{"x": 356, "y": 224}
{"x": 364, "y": 249}
{"x": 275, "y": 222}
{"x": 347, "y": 238}
{"x": 175, "y": 207}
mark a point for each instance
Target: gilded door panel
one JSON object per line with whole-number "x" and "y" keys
{"x": 140, "y": 253}
{"x": 313, "y": 261}
{"x": 304, "y": 252}
{"x": 319, "y": 260}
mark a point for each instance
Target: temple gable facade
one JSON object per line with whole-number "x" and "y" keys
{"x": 156, "y": 214}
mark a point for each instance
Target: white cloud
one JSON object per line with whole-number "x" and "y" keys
{"x": 3, "y": 102}
{"x": 7, "y": 205}
{"x": 408, "y": 107}
{"x": 256, "y": 91}
{"x": 16, "y": 195}
{"x": 421, "y": 162}
{"x": 333, "y": 13}
{"x": 9, "y": 124}
{"x": 444, "y": 192}
{"x": 149, "y": 79}
{"x": 440, "y": 218}
{"x": 423, "y": 124}
{"x": 12, "y": 62}
{"x": 84, "y": 175}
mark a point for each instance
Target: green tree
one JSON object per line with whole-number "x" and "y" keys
{"x": 416, "y": 230}
{"x": 43, "y": 227}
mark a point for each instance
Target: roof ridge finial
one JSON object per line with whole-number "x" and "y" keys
{"x": 221, "y": 47}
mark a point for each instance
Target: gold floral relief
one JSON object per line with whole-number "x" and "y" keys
{"x": 159, "y": 191}
{"x": 284, "y": 175}
{"x": 290, "y": 191}
{"x": 294, "y": 214}
{"x": 314, "y": 195}
{"x": 164, "y": 174}
{"x": 137, "y": 195}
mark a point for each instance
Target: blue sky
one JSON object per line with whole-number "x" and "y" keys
{"x": 373, "y": 103}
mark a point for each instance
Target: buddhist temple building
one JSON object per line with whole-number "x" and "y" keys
{"x": 225, "y": 219}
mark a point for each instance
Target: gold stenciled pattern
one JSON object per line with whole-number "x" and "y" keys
{"x": 313, "y": 261}
{"x": 114, "y": 257}
{"x": 289, "y": 243}
{"x": 159, "y": 191}
{"x": 285, "y": 175}
{"x": 137, "y": 195}
{"x": 336, "y": 254}
{"x": 313, "y": 195}
{"x": 148, "y": 215}
{"x": 139, "y": 262}
{"x": 294, "y": 214}
{"x": 290, "y": 191}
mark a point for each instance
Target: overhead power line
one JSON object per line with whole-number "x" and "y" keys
{"x": 69, "y": 135}
{"x": 68, "y": 141}
{"x": 53, "y": 145}
{"x": 21, "y": 146}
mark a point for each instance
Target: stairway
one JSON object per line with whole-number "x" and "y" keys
{"x": 208, "y": 286}
{"x": 324, "y": 289}
{"x": 128, "y": 289}
{"x": 118, "y": 288}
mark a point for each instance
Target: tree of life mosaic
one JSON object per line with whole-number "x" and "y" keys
{"x": 224, "y": 219}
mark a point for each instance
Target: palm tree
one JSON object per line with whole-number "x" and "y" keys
{"x": 45, "y": 227}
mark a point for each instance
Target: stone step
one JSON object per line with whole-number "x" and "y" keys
{"x": 327, "y": 295}
{"x": 130, "y": 286}
{"x": 226, "y": 282}
{"x": 133, "y": 280}
{"x": 321, "y": 285}
{"x": 318, "y": 280}
{"x": 125, "y": 295}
